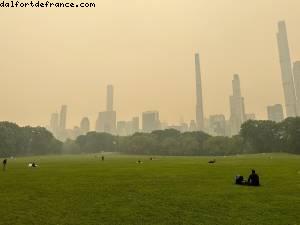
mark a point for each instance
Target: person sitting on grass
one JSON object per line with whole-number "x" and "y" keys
{"x": 253, "y": 179}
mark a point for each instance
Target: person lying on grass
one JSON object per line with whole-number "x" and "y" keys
{"x": 33, "y": 164}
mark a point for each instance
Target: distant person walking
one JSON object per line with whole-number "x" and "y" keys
{"x": 102, "y": 158}
{"x": 4, "y": 164}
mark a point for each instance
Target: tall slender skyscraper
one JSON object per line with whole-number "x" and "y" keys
{"x": 296, "y": 71}
{"x": 63, "y": 118}
{"x": 286, "y": 71}
{"x": 199, "y": 97}
{"x": 106, "y": 121}
{"x": 110, "y": 98}
{"x": 237, "y": 106}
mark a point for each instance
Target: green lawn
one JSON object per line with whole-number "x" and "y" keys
{"x": 83, "y": 190}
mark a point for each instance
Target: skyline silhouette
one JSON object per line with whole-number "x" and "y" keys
{"x": 147, "y": 56}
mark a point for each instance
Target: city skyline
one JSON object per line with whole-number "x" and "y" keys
{"x": 57, "y": 67}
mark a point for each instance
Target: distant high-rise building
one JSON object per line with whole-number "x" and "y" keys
{"x": 237, "y": 107}
{"x": 217, "y": 125}
{"x": 85, "y": 125}
{"x": 135, "y": 124}
{"x": 296, "y": 71}
{"x": 63, "y": 118}
{"x": 275, "y": 113}
{"x": 106, "y": 122}
{"x": 206, "y": 125}
{"x": 199, "y": 97}
{"x": 151, "y": 121}
{"x": 228, "y": 128}
{"x": 286, "y": 70}
{"x": 73, "y": 134}
{"x": 123, "y": 128}
{"x": 54, "y": 123}
{"x": 164, "y": 125}
{"x": 110, "y": 98}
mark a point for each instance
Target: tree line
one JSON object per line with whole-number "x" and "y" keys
{"x": 257, "y": 136}
{"x": 23, "y": 141}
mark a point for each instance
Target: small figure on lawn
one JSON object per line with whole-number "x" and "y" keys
{"x": 4, "y": 164}
{"x": 212, "y": 161}
{"x": 253, "y": 179}
{"x": 33, "y": 164}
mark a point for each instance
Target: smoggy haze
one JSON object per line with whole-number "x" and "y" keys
{"x": 51, "y": 57}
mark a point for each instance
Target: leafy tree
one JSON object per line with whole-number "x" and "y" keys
{"x": 15, "y": 141}
{"x": 94, "y": 142}
{"x": 260, "y": 136}
{"x": 289, "y": 134}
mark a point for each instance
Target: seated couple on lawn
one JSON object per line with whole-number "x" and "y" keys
{"x": 253, "y": 179}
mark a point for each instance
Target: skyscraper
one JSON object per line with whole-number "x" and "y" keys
{"x": 237, "y": 107}
{"x": 296, "y": 71}
{"x": 106, "y": 121}
{"x": 123, "y": 128}
{"x": 63, "y": 118}
{"x": 54, "y": 123}
{"x": 85, "y": 125}
{"x": 199, "y": 97}
{"x": 135, "y": 124}
{"x": 110, "y": 98}
{"x": 151, "y": 121}
{"x": 286, "y": 70}
{"x": 217, "y": 125}
{"x": 275, "y": 113}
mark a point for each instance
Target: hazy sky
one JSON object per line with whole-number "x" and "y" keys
{"x": 145, "y": 48}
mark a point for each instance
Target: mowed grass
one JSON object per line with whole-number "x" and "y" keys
{"x": 73, "y": 190}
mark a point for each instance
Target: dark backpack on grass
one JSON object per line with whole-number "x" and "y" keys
{"x": 239, "y": 179}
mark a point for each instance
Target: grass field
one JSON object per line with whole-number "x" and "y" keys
{"x": 73, "y": 190}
